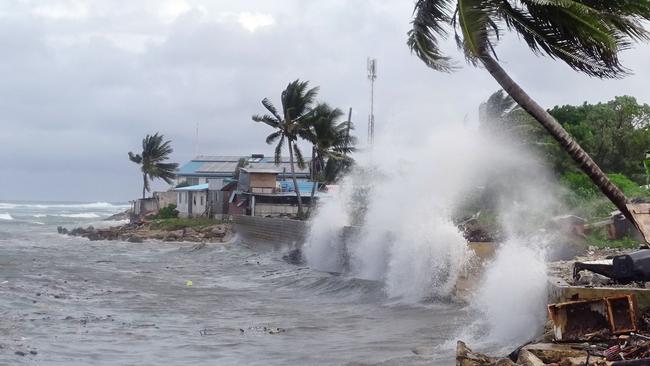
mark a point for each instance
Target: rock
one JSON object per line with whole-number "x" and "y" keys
{"x": 119, "y": 216}
{"x": 423, "y": 350}
{"x": 526, "y": 358}
{"x": 33, "y": 352}
{"x": 465, "y": 357}
{"x": 135, "y": 239}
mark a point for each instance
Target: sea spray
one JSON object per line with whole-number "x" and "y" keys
{"x": 511, "y": 299}
{"x": 323, "y": 248}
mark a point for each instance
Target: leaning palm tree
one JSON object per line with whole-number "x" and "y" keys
{"x": 586, "y": 34}
{"x": 290, "y": 124}
{"x": 331, "y": 142}
{"x": 152, "y": 161}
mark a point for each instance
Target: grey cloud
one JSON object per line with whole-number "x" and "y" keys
{"x": 78, "y": 93}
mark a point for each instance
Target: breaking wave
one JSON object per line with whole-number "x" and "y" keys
{"x": 5, "y": 216}
{"x": 95, "y": 205}
{"x": 87, "y": 215}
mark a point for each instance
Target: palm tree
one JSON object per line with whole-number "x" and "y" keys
{"x": 586, "y": 34}
{"x": 331, "y": 142}
{"x": 297, "y": 101}
{"x": 151, "y": 161}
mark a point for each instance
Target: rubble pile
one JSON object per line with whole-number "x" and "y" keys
{"x": 584, "y": 329}
{"x": 138, "y": 233}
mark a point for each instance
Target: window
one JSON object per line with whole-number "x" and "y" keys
{"x": 194, "y": 200}
{"x": 202, "y": 198}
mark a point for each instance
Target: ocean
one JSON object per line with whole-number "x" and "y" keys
{"x": 70, "y": 301}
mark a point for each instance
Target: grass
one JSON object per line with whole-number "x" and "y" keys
{"x": 598, "y": 238}
{"x": 181, "y": 223}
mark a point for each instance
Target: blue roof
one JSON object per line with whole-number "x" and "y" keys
{"x": 189, "y": 168}
{"x": 304, "y": 187}
{"x": 198, "y": 187}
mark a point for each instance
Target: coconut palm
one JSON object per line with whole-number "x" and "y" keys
{"x": 290, "y": 124}
{"x": 331, "y": 144}
{"x": 152, "y": 161}
{"x": 585, "y": 34}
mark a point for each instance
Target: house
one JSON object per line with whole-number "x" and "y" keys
{"x": 259, "y": 193}
{"x": 192, "y": 201}
{"x": 206, "y": 199}
{"x": 204, "y": 168}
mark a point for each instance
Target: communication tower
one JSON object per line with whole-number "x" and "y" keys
{"x": 372, "y": 76}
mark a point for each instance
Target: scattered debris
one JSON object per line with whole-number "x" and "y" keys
{"x": 587, "y": 320}
{"x": 625, "y": 268}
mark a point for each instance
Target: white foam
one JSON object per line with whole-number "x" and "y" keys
{"x": 95, "y": 205}
{"x": 87, "y": 215}
{"x": 5, "y": 216}
{"x": 39, "y": 215}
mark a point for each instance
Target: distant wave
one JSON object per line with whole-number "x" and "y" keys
{"x": 96, "y": 205}
{"x": 5, "y": 216}
{"x": 39, "y": 215}
{"x": 88, "y": 215}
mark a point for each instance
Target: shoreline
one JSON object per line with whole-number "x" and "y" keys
{"x": 210, "y": 232}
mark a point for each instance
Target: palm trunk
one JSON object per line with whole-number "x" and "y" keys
{"x": 144, "y": 185}
{"x": 313, "y": 180}
{"x": 556, "y": 130}
{"x": 293, "y": 176}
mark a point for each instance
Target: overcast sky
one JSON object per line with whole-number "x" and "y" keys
{"x": 82, "y": 82}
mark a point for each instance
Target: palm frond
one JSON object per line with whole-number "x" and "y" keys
{"x": 271, "y": 108}
{"x": 272, "y": 137}
{"x": 269, "y": 120}
{"x": 136, "y": 158}
{"x": 299, "y": 158}
{"x": 429, "y": 22}
{"x": 278, "y": 151}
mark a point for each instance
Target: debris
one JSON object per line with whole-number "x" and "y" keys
{"x": 625, "y": 268}
{"x": 587, "y": 320}
{"x": 189, "y": 283}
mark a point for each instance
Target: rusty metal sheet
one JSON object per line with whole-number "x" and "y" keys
{"x": 577, "y": 320}
{"x": 641, "y": 214}
{"x": 595, "y": 318}
{"x": 622, "y": 314}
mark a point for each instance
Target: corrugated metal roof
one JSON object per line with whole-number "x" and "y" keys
{"x": 189, "y": 168}
{"x": 219, "y": 158}
{"x": 217, "y": 167}
{"x": 198, "y": 187}
{"x": 225, "y": 166}
{"x": 260, "y": 170}
{"x": 280, "y": 167}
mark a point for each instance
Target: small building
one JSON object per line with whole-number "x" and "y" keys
{"x": 204, "y": 168}
{"x": 192, "y": 201}
{"x": 256, "y": 197}
{"x": 258, "y": 180}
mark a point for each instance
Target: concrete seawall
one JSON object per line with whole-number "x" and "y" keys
{"x": 271, "y": 233}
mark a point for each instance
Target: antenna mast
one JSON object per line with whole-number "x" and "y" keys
{"x": 196, "y": 142}
{"x": 372, "y": 75}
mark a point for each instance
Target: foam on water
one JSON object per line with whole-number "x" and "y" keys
{"x": 6, "y": 216}
{"x": 94, "y": 205}
{"x": 85, "y": 215}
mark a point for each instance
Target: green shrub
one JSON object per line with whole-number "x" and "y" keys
{"x": 167, "y": 212}
{"x": 585, "y": 199}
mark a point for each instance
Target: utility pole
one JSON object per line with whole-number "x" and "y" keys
{"x": 372, "y": 75}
